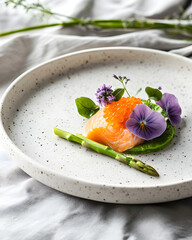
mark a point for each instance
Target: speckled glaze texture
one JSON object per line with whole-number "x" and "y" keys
{"x": 44, "y": 98}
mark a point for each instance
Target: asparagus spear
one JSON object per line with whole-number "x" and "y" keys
{"x": 100, "y": 148}
{"x": 182, "y": 28}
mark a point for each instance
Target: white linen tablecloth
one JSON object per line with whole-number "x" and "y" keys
{"x": 30, "y": 210}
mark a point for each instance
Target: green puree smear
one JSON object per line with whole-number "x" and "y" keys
{"x": 156, "y": 144}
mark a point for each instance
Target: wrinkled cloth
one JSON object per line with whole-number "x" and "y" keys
{"x": 30, "y": 210}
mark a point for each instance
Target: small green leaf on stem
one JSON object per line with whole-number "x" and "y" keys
{"x": 86, "y": 107}
{"x": 153, "y": 93}
{"x": 124, "y": 80}
{"x": 138, "y": 91}
{"x": 118, "y": 93}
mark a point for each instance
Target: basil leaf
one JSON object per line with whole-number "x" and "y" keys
{"x": 153, "y": 93}
{"x": 156, "y": 144}
{"x": 86, "y": 107}
{"x": 118, "y": 93}
{"x": 156, "y": 108}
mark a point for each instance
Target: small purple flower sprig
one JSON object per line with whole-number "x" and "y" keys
{"x": 123, "y": 80}
{"x": 104, "y": 95}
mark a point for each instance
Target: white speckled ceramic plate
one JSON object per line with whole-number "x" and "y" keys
{"x": 43, "y": 98}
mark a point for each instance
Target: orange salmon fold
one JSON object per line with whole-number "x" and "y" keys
{"x": 99, "y": 129}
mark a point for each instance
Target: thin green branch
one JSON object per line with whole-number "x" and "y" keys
{"x": 35, "y": 6}
{"x": 125, "y": 89}
{"x": 64, "y": 24}
{"x": 142, "y": 24}
{"x": 29, "y": 29}
{"x": 181, "y": 27}
{"x": 131, "y": 24}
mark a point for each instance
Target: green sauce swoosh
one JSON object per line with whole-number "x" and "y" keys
{"x": 156, "y": 144}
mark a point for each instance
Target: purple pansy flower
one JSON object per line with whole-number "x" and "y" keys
{"x": 170, "y": 105}
{"x": 146, "y": 123}
{"x": 104, "y": 95}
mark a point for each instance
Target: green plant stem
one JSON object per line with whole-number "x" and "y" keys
{"x": 100, "y": 148}
{"x": 125, "y": 89}
{"x": 29, "y": 29}
{"x": 175, "y": 25}
{"x": 134, "y": 24}
{"x": 141, "y": 24}
{"x": 67, "y": 24}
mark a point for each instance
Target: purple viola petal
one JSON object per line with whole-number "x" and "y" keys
{"x": 175, "y": 119}
{"x": 161, "y": 104}
{"x": 140, "y": 112}
{"x": 146, "y": 123}
{"x": 169, "y": 103}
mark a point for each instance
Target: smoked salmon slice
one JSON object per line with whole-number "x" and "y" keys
{"x": 108, "y": 125}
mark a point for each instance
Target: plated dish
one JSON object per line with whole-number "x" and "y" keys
{"x": 43, "y": 98}
{"x": 120, "y": 125}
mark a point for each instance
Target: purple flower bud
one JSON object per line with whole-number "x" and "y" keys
{"x": 127, "y": 80}
{"x": 146, "y": 123}
{"x": 160, "y": 88}
{"x": 115, "y": 76}
{"x": 169, "y": 103}
{"x": 104, "y": 95}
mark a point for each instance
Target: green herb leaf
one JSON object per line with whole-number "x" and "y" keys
{"x": 86, "y": 107}
{"x": 118, "y": 93}
{"x": 153, "y": 93}
{"x": 156, "y": 108}
{"x": 156, "y": 144}
{"x": 138, "y": 91}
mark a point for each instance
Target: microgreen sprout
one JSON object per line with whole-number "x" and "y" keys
{"x": 124, "y": 80}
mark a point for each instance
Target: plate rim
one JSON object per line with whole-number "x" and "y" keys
{"x": 30, "y": 160}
